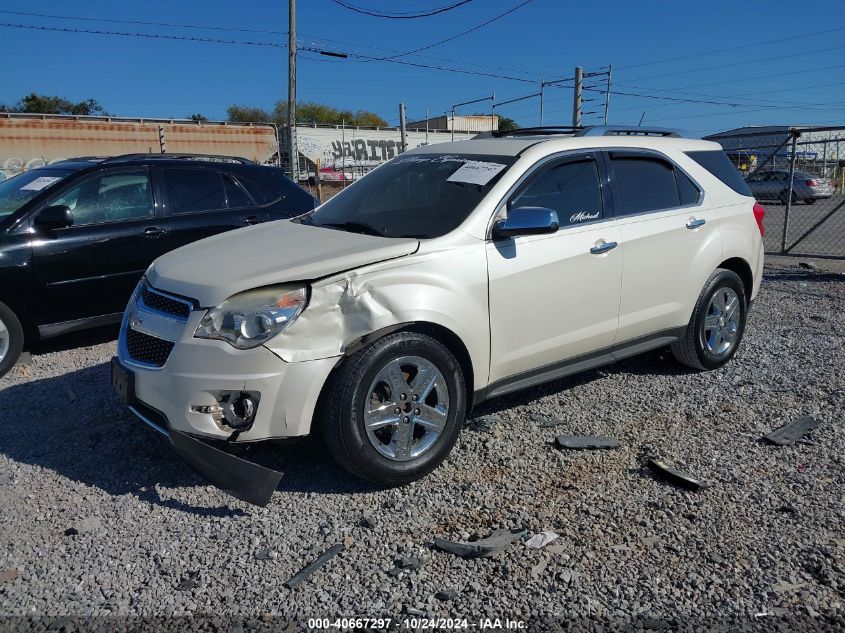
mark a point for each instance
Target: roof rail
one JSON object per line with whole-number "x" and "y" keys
{"x": 592, "y": 130}
{"x": 624, "y": 130}
{"x": 180, "y": 156}
{"x": 545, "y": 130}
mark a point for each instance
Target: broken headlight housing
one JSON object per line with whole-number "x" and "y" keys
{"x": 251, "y": 318}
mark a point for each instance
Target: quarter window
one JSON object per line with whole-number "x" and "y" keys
{"x": 111, "y": 197}
{"x": 262, "y": 194}
{"x": 235, "y": 195}
{"x": 192, "y": 190}
{"x": 571, "y": 189}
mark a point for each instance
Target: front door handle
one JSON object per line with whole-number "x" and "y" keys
{"x": 153, "y": 231}
{"x": 694, "y": 224}
{"x": 602, "y": 247}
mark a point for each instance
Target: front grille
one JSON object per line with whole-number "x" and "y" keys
{"x": 147, "y": 349}
{"x": 165, "y": 304}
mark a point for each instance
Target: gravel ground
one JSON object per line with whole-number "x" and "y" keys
{"x": 766, "y": 536}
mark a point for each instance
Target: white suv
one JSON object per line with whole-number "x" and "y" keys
{"x": 451, "y": 274}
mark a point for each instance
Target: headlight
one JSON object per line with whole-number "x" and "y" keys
{"x": 253, "y": 317}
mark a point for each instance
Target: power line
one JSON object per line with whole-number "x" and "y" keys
{"x": 143, "y": 23}
{"x": 154, "y": 36}
{"x": 456, "y": 36}
{"x": 400, "y": 15}
{"x": 731, "y": 48}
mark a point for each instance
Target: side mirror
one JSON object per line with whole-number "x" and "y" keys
{"x": 55, "y": 217}
{"x": 527, "y": 221}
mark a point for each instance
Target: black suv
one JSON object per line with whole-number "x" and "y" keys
{"x": 76, "y": 236}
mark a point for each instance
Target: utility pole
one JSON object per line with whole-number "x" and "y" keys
{"x": 542, "y": 94}
{"x": 607, "y": 93}
{"x": 294, "y": 151}
{"x": 402, "y": 126}
{"x": 577, "y": 94}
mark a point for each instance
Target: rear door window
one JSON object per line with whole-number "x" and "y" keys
{"x": 193, "y": 190}
{"x": 262, "y": 193}
{"x": 718, "y": 164}
{"x": 570, "y": 188}
{"x": 647, "y": 183}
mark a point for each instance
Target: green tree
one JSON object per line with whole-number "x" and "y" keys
{"x": 507, "y": 124}
{"x": 45, "y": 104}
{"x": 199, "y": 118}
{"x": 306, "y": 112}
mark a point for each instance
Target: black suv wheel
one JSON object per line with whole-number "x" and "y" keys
{"x": 11, "y": 339}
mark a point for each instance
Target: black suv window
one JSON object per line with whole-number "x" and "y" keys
{"x": 571, "y": 189}
{"x": 110, "y": 197}
{"x": 192, "y": 190}
{"x": 235, "y": 195}
{"x": 718, "y": 164}
{"x": 649, "y": 183}
{"x": 262, "y": 194}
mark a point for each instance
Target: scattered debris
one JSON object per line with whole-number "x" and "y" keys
{"x": 482, "y": 425}
{"x": 538, "y": 569}
{"x": 414, "y": 611}
{"x": 71, "y": 531}
{"x": 788, "y": 434}
{"x": 321, "y": 560}
{"x": 783, "y": 587}
{"x": 445, "y": 596}
{"x": 674, "y": 476}
{"x": 546, "y": 423}
{"x": 404, "y": 563}
{"x": 266, "y": 553}
{"x": 189, "y": 582}
{"x": 585, "y": 442}
{"x": 538, "y": 541}
{"x": 349, "y": 541}
{"x": 482, "y": 548}
{"x": 8, "y": 575}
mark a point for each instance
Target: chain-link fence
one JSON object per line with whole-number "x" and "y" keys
{"x": 797, "y": 174}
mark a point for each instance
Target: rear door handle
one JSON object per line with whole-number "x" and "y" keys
{"x": 153, "y": 231}
{"x": 694, "y": 224}
{"x": 252, "y": 219}
{"x": 602, "y": 247}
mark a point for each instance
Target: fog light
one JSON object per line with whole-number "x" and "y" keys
{"x": 239, "y": 411}
{"x": 214, "y": 410}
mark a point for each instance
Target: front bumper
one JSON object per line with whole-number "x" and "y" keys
{"x": 197, "y": 371}
{"x": 240, "y": 478}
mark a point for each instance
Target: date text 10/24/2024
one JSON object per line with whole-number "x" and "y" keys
{"x": 417, "y": 624}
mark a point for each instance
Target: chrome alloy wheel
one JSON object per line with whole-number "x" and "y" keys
{"x": 407, "y": 408}
{"x": 4, "y": 340}
{"x": 721, "y": 324}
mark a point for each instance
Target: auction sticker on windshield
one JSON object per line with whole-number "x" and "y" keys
{"x": 39, "y": 183}
{"x": 476, "y": 172}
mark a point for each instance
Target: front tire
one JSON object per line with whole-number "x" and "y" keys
{"x": 393, "y": 410}
{"x": 11, "y": 339}
{"x": 715, "y": 330}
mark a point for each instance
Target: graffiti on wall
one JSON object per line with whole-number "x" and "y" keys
{"x": 363, "y": 150}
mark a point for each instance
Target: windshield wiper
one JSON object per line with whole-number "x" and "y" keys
{"x": 354, "y": 226}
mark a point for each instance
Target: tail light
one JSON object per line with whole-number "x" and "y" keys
{"x": 759, "y": 214}
{"x": 812, "y": 183}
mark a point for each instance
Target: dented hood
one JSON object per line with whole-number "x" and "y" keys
{"x": 214, "y": 269}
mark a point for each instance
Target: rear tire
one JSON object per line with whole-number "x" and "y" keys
{"x": 715, "y": 330}
{"x": 392, "y": 411}
{"x": 11, "y": 339}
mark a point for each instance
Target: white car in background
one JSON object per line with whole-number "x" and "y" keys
{"x": 452, "y": 274}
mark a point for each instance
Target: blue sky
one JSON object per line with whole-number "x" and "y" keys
{"x": 780, "y": 69}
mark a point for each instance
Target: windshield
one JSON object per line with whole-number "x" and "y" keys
{"x": 417, "y": 195}
{"x": 18, "y": 190}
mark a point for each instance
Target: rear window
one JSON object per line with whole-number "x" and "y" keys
{"x": 718, "y": 164}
